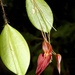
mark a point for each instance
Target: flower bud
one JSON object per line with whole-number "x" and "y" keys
{"x": 58, "y": 60}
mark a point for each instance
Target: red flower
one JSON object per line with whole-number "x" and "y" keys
{"x": 47, "y": 48}
{"x": 45, "y": 58}
{"x": 58, "y": 59}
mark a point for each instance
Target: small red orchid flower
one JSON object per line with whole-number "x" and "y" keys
{"x": 44, "y": 58}
{"x": 58, "y": 59}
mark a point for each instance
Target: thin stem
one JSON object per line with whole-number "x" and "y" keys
{"x": 53, "y": 52}
{"x": 4, "y": 15}
{"x": 43, "y": 35}
{"x": 48, "y": 35}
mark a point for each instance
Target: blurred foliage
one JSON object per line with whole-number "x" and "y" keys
{"x": 63, "y": 41}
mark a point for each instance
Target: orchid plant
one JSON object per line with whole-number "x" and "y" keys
{"x": 14, "y": 50}
{"x": 41, "y": 17}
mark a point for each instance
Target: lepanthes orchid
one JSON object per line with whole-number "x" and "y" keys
{"x": 46, "y": 57}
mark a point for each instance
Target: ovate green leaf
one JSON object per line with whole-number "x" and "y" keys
{"x": 14, "y": 51}
{"x": 40, "y": 14}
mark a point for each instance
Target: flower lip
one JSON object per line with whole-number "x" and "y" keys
{"x": 43, "y": 62}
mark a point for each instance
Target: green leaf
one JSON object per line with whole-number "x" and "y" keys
{"x": 40, "y": 14}
{"x": 14, "y": 51}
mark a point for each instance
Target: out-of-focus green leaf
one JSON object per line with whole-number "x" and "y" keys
{"x": 48, "y": 70}
{"x": 32, "y": 72}
{"x": 14, "y": 51}
{"x": 40, "y": 14}
{"x": 65, "y": 30}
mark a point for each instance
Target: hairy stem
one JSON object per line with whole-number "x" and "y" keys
{"x": 4, "y": 15}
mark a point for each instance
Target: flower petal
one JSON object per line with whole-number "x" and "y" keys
{"x": 58, "y": 59}
{"x": 43, "y": 62}
{"x": 47, "y": 48}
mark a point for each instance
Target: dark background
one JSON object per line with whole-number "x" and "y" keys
{"x": 62, "y": 40}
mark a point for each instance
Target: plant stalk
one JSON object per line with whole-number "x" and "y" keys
{"x": 4, "y": 14}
